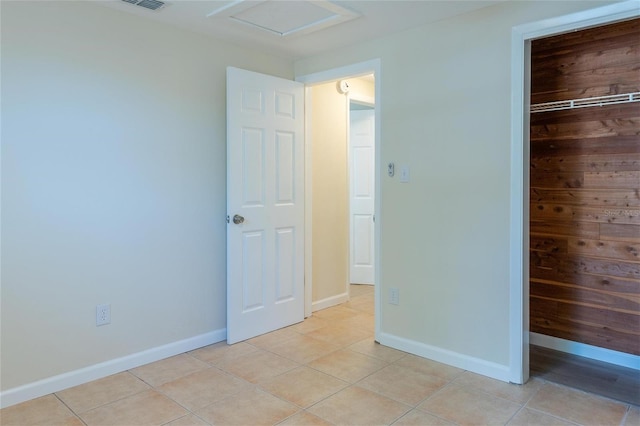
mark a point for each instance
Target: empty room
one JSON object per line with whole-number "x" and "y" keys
{"x": 320, "y": 212}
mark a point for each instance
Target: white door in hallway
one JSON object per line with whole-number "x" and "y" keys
{"x": 265, "y": 203}
{"x": 362, "y": 192}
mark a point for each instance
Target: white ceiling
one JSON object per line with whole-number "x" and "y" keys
{"x": 362, "y": 20}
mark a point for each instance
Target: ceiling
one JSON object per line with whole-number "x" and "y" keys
{"x": 295, "y": 29}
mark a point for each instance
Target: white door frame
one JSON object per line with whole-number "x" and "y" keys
{"x": 521, "y": 37}
{"x": 353, "y": 70}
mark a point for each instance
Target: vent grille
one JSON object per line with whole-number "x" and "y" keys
{"x": 147, "y": 4}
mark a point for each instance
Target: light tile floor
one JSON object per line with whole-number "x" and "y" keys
{"x": 325, "y": 370}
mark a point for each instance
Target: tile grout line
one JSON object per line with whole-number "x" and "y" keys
{"x": 55, "y": 394}
{"x": 79, "y": 414}
{"x": 552, "y": 415}
{"x": 587, "y": 393}
{"x": 626, "y": 414}
{"x": 524, "y": 405}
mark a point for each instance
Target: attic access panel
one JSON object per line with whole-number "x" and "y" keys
{"x": 286, "y": 18}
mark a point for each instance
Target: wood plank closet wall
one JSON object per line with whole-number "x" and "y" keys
{"x": 585, "y": 189}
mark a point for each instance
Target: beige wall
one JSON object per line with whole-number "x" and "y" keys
{"x": 362, "y": 87}
{"x": 330, "y": 215}
{"x": 330, "y": 187}
{"x": 113, "y": 184}
{"x": 445, "y": 105}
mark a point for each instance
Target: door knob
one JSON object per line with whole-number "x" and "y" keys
{"x": 237, "y": 219}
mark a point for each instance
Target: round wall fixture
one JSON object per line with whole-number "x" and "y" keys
{"x": 343, "y": 86}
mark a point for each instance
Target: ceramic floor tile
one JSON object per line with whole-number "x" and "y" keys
{"x": 364, "y": 321}
{"x": 304, "y": 386}
{"x": 357, "y": 406}
{"x": 47, "y": 410}
{"x": 528, "y": 417}
{"x": 430, "y": 367}
{"x": 310, "y": 324}
{"x": 336, "y": 313}
{"x": 268, "y": 340}
{"x": 633, "y": 417}
{"x": 577, "y": 406}
{"x": 365, "y": 300}
{"x": 103, "y": 391}
{"x": 402, "y": 384}
{"x": 358, "y": 290}
{"x": 376, "y": 350}
{"x": 304, "y": 419}
{"x": 203, "y": 388}
{"x": 510, "y": 391}
{"x": 258, "y": 366}
{"x": 219, "y": 352}
{"x": 469, "y": 406}
{"x": 166, "y": 370}
{"x": 145, "y": 408}
{"x": 366, "y": 308}
{"x": 188, "y": 420}
{"x": 339, "y": 335}
{"x": 420, "y": 418}
{"x": 330, "y": 364}
{"x": 303, "y": 349}
{"x": 362, "y": 299}
{"x": 347, "y": 365}
{"x": 251, "y": 407}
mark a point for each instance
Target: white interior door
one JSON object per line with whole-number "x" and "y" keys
{"x": 362, "y": 191}
{"x": 265, "y": 203}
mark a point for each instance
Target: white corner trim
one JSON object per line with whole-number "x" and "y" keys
{"x": 330, "y": 301}
{"x": 97, "y": 371}
{"x": 308, "y": 204}
{"x": 475, "y": 365}
{"x": 588, "y": 351}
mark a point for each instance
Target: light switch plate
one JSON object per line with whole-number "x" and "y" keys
{"x": 404, "y": 173}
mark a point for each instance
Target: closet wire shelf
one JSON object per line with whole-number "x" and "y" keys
{"x": 586, "y": 102}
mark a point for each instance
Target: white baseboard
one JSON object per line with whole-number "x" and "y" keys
{"x": 97, "y": 371}
{"x": 594, "y": 352}
{"x": 475, "y": 365}
{"x": 329, "y": 302}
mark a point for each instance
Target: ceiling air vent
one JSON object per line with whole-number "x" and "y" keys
{"x": 147, "y": 4}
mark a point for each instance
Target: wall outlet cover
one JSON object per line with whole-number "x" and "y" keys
{"x": 103, "y": 314}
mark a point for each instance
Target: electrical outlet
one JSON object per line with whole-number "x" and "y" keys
{"x": 394, "y": 296}
{"x": 103, "y": 314}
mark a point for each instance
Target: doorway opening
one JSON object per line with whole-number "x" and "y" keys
{"x": 520, "y": 164}
{"x": 584, "y": 174}
{"x": 318, "y": 202}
